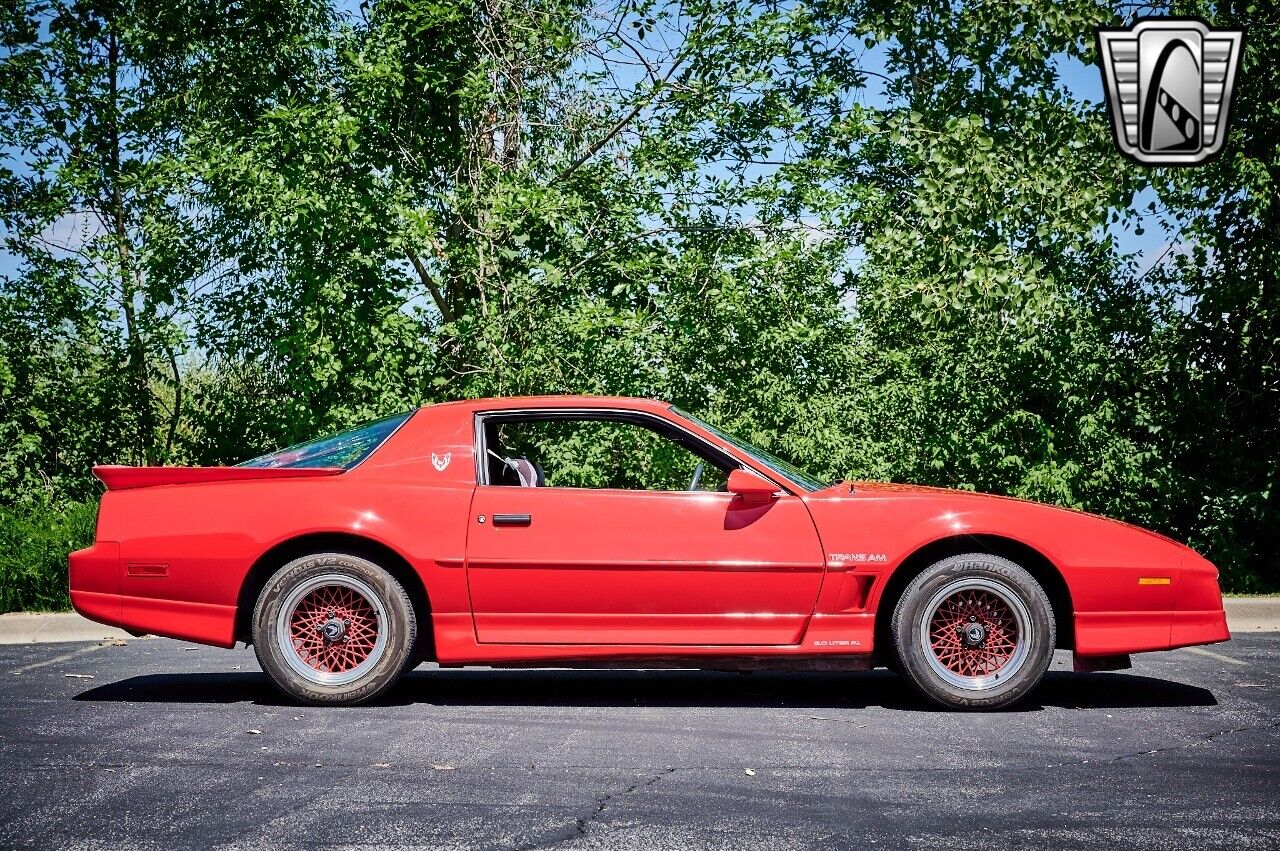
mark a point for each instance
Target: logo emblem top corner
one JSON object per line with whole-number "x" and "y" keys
{"x": 1168, "y": 85}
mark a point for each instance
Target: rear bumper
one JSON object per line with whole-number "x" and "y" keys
{"x": 95, "y": 576}
{"x": 1115, "y": 633}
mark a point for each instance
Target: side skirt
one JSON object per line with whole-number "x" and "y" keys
{"x": 727, "y": 662}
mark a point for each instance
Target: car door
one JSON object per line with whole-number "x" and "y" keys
{"x": 553, "y": 564}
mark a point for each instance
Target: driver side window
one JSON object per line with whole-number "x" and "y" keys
{"x": 594, "y": 453}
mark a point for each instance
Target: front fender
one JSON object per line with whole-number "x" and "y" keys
{"x": 1125, "y": 584}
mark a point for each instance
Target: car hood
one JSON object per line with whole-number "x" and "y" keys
{"x": 965, "y": 498}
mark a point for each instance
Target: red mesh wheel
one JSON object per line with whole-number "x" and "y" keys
{"x": 973, "y": 633}
{"x": 334, "y": 629}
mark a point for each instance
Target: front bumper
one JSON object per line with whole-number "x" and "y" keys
{"x": 1191, "y": 614}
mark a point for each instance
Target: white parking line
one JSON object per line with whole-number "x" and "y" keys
{"x": 65, "y": 656}
{"x": 1200, "y": 651}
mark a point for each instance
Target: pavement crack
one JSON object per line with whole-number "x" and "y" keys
{"x": 583, "y": 823}
{"x": 603, "y": 803}
{"x": 1203, "y": 740}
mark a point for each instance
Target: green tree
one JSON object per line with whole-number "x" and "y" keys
{"x": 1215, "y": 353}
{"x": 107, "y": 251}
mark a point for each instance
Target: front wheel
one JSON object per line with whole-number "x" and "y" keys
{"x": 974, "y": 631}
{"x": 333, "y": 628}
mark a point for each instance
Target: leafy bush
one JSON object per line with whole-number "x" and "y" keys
{"x": 34, "y": 543}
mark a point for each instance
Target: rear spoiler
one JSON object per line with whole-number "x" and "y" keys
{"x": 118, "y": 478}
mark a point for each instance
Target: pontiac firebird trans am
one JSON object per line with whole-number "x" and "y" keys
{"x": 589, "y": 531}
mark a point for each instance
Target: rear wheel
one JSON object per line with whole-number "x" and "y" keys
{"x": 974, "y": 631}
{"x": 333, "y": 628}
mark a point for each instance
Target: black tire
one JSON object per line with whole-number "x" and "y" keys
{"x": 993, "y": 665}
{"x": 309, "y": 585}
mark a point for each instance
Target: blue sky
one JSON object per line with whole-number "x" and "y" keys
{"x": 1084, "y": 82}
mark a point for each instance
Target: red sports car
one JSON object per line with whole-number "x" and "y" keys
{"x": 592, "y": 531}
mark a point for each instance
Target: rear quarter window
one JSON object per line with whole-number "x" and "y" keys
{"x": 345, "y": 449}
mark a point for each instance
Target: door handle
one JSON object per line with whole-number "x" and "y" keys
{"x": 512, "y": 519}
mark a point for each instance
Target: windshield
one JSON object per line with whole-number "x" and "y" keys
{"x": 344, "y": 450}
{"x": 777, "y": 465}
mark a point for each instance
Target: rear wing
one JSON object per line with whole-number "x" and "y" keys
{"x": 118, "y": 478}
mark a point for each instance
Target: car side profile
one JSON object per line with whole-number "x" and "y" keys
{"x": 594, "y": 531}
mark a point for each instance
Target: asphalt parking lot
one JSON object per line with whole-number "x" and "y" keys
{"x": 170, "y": 746}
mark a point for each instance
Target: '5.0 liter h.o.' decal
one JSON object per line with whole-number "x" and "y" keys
{"x": 1168, "y": 83}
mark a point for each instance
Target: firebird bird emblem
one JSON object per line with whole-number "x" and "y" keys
{"x": 440, "y": 463}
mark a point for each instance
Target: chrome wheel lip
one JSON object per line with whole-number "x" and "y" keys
{"x": 284, "y": 631}
{"x": 1022, "y": 618}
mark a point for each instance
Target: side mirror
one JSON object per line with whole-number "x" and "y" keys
{"x": 754, "y": 489}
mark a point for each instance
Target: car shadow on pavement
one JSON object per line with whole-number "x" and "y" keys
{"x": 666, "y": 688}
